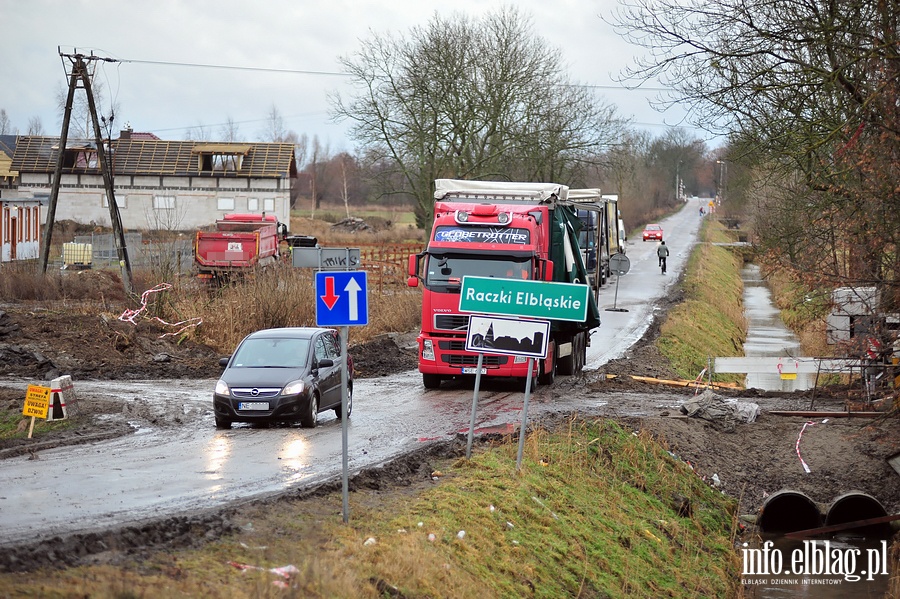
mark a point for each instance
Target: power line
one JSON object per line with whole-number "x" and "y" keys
{"x": 337, "y": 74}
{"x": 234, "y": 67}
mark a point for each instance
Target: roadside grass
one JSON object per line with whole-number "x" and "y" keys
{"x": 15, "y": 426}
{"x": 710, "y": 321}
{"x": 282, "y": 296}
{"x": 597, "y": 510}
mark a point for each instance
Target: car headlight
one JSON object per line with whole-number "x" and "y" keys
{"x": 520, "y": 360}
{"x": 293, "y": 388}
{"x": 428, "y": 350}
{"x": 222, "y": 388}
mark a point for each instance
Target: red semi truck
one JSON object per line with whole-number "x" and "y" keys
{"x": 526, "y": 231}
{"x": 238, "y": 243}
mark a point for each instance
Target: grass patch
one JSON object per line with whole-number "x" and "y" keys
{"x": 597, "y": 510}
{"x": 710, "y": 322}
{"x": 13, "y": 425}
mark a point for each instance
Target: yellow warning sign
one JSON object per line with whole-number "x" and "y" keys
{"x": 789, "y": 376}
{"x": 37, "y": 401}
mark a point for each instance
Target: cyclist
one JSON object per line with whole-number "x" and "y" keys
{"x": 662, "y": 252}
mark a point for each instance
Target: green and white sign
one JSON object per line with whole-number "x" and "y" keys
{"x": 512, "y": 297}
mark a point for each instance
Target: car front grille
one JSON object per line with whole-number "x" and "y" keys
{"x": 256, "y": 392}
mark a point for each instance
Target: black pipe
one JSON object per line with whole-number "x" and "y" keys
{"x": 788, "y": 511}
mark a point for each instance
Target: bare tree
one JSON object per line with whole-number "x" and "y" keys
{"x": 468, "y": 99}
{"x": 35, "y": 127}
{"x": 320, "y": 155}
{"x": 198, "y": 132}
{"x": 808, "y": 92}
{"x": 80, "y": 123}
{"x": 230, "y": 131}
{"x": 274, "y": 127}
{"x": 6, "y": 127}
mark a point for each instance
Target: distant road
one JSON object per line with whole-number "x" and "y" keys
{"x": 640, "y": 290}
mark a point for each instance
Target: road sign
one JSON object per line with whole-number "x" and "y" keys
{"x": 619, "y": 263}
{"x": 512, "y": 297}
{"x": 341, "y": 299}
{"x": 511, "y": 336}
{"x": 325, "y": 258}
{"x": 37, "y": 401}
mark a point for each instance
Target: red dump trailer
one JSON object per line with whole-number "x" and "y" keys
{"x": 238, "y": 243}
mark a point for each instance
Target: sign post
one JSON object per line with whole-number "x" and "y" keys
{"x": 509, "y": 336}
{"x": 37, "y": 404}
{"x": 619, "y": 264}
{"x": 342, "y": 301}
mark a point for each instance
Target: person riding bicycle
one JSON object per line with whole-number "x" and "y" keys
{"x": 662, "y": 252}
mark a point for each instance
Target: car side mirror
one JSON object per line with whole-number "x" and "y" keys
{"x": 325, "y": 363}
{"x": 223, "y": 362}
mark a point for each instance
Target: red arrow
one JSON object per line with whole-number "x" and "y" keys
{"x": 329, "y": 298}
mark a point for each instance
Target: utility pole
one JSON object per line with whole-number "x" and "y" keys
{"x": 723, "y": 173}
{"x": 80, "y": 74}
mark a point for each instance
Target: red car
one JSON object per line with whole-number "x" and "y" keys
{"x": 653, "y": 232}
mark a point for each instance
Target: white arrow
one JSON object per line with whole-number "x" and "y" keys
{"x": 353, "y": 290}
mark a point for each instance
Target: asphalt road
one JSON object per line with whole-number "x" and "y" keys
{"x": 164, "y": 471}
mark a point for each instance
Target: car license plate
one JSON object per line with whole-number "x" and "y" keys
{"x": 253, "y": 405}
{"x": 470, "y": 370}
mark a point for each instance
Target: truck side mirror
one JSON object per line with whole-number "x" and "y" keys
{"x": 412, "y": 269}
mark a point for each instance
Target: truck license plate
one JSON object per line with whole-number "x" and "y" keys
{"x": 253, "y": 405}
{"x": 471, "y": 370}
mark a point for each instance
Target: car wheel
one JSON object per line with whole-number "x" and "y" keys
{"x": 311, "y": 417}
{"x": 431, "y": 381}
{"x": 222, "y": 423}
{"x": 337, "y": 410}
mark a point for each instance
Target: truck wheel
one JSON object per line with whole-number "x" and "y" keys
{"x": 566, "y": 364}
{"x": 431, "y": 381}
{"x": 547, "y": 378}
{"x": 311, "y": 417}
{"x": 578, "y": 351}
{"x": 523, "y": 383}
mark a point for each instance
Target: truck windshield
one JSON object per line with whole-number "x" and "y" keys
{"x": 444, "y": 272}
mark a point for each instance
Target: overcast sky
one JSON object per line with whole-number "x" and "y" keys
{"x": 154, "y": 94}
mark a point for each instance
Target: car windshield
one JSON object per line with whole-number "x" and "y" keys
{"x": 445, "y": 271}
{"x": 272, "y": 353}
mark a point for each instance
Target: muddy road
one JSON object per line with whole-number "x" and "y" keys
{"x": 176, "y": 461}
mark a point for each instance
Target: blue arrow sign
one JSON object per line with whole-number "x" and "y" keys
{"x": 341, "y": 299}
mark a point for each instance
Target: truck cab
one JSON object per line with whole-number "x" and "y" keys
{"x": 501, "y": 230}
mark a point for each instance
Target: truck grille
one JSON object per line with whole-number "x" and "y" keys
{"x": 451, "y": 322}
{"x": 463, "y": 360}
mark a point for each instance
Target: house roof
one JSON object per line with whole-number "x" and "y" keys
{"x": 7, "y": 149}
{"x": 37, "y": 154}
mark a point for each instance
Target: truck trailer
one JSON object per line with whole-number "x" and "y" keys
{"x": 238, "y": 243}
{"x": 524, "y": 231}
{"x": 601, "y": 236}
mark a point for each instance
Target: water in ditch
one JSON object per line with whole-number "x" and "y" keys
{"x": 768, "y": 337}
{"x": 802, "y": 572}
